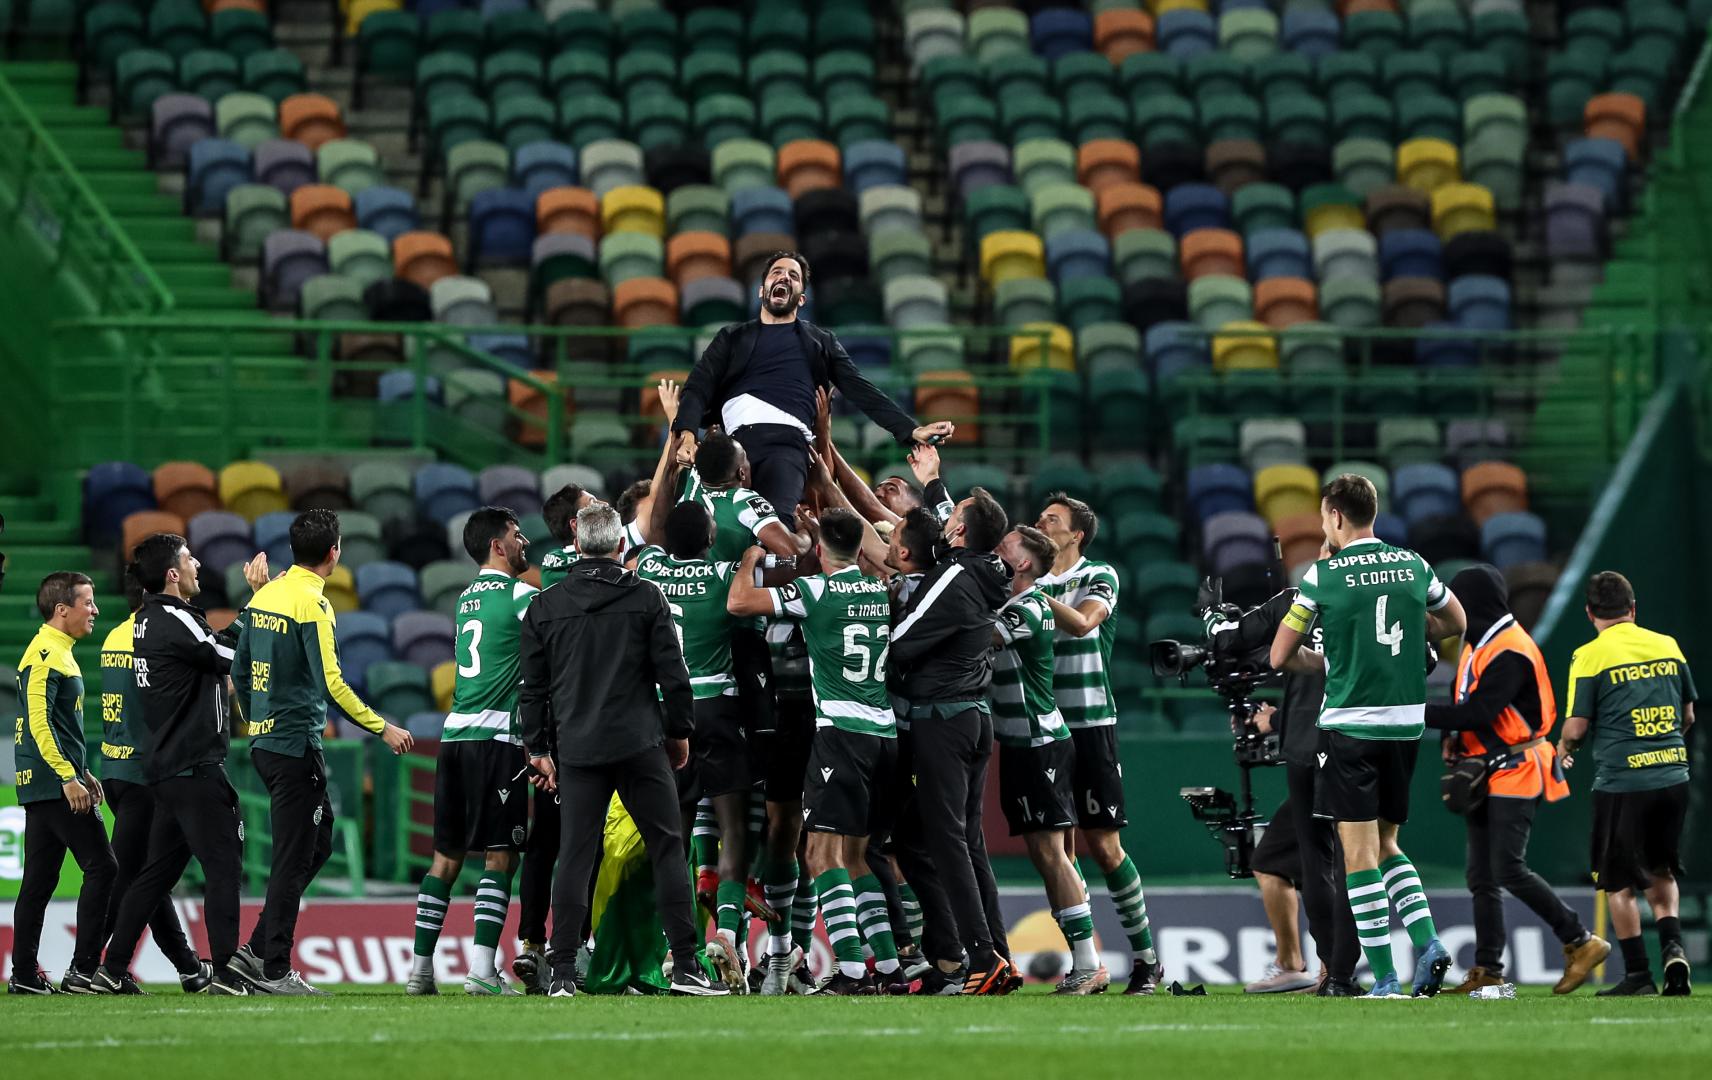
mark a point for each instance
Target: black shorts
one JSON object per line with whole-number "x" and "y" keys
{"x": 1035, "y": 788}
{"x": 1099, "y": 790}
{"x": 787, "y": 749}
{"x": 849, "y": 788}
{"x": 720, "y": 746}
{"x": 1364, "y": 779}
{"x": 481, "y": 797}
{"x": 1278, "y": 853}
{"x": 1637, "y": 836}
{"x": 752, "y": 664}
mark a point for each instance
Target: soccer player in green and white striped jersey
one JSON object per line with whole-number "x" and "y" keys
{"x": 481, "y": 800}
{"x": 1035, "y": 752}
{"x": 1083, "y": 593}
{"x": 695, "y": 588}
{"x": 846, "y": 619}
{"x": 1378, "y": 607}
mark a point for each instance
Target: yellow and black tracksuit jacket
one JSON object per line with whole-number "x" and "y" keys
{"x": 121, "y": 719}
{"x": 49, "y": 746}
{"x": 287, "y": 667}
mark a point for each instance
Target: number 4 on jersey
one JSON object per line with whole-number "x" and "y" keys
{"x": 1392, "y": 636}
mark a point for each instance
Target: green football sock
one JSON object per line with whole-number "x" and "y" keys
{"x": 779, "y": 883}
{"x": 704, "y": 838}
{"x": 911, "y": 935}
{"x": 1410, "y": 900}
{"x": 1077, "y": 922}
{"x": 802, "y": 912}
{"x": 730, "y": 907}
{"x": 1124, "y": 883}
{"x": 838, "y": 908}
{"x": 875, "y": 921}
{"x": 493, "y": 900}
{"x": 1372, "y": 921}
{"x": 431, "y": 903}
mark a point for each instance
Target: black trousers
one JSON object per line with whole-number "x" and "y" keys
{"x": 194, "y": 815}
{"x": 133, "y": 807}
{"x": 645, "y": 785}
{"x": 778, "y": 465}
{"x": 50, "y": 830}
{"x": 535, "y": 885}
{"x": 1325, "y": 895}
{"x": 942, "y": 834}
{"x": 301, "y": 820}
{"x": 1498, "y": 831}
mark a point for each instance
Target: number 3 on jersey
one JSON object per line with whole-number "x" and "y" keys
{"x": 473, "y": 668}
{"x": 1392, "y": 636}
{"x": 860, "y": 655}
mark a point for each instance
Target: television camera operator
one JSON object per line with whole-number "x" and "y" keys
{"x": 1296, "y": 846}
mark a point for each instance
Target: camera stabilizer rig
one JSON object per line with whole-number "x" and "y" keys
{"x": 1231, "y": 819}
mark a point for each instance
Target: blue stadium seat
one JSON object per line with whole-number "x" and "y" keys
{"x": 1312, "y": 32}
{"x": 423, "y": 638}
{"x": 1074, "y": 253}
{"x": 273, "y": 535}
{"x": 1278, "y": 252}
{"x": 387, "y": 588}
{"x": 112, "y": 491}
{"x": 873, "y": 162}
{"x": 219, "y": 538}
{"x": 1479, "y": 302}
{"x": 1219, "y": 488}
{"x": 401, "y": 386}
{"x": 444, "y": 490}
{"x": 1425, "y": 490}
{"x": 502, "y": 225}
{"x": 387, "y": 211}
{"x": 762, "y": 210}
{"x": 1183, "y": 33}
{"x": 1410, "y": 253}
{"x": 537, "y": 166}
{"x": 1195, "y": 206}
{"x": 364, "y": 638}
{"x": 1235, "y": 538}
{"x": 1174, "y": 347}
{"x": 1057, "y": 31}
{"x": 1600, "y": 163}
{"x": 1515, "y": 537}
{"x": 213, "y": 168}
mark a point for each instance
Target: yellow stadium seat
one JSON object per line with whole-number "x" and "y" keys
{"x": 1008, "y": 253}
{"x": 1283, "y": 491}
{"x": 1245, "y": 352}
{"x": 1160, "y": 7}
{"x": 1460, "y": 208}
{"x": 1060, "y": 349}
{"x": 341, "y": 590}
{"x": 357, "y": 10}
{"x": 251, "y": 489}
{"x": 633, "y": 208}
{"x": 1427, "y": 164}
{"x": 1333, "y": 216}
{"x": 441, "y": 681}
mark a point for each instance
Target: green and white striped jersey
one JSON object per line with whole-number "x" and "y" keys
{"x": 484, "y": 696}
{"x": 1082, "y": 680}
{"x": 1024, "y": 710}
{"x": 847, "y": 619}
{"x": 696, "y": 590}
{"x": 1372, "y": 601}
{"x": 739, "y": 515}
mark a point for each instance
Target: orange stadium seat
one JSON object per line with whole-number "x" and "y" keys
{"x": 423, "y": 257}
{"x": 1285, "y": 301}
{"x": 809, "y": 164}
{"x": 691, "y": 255}
{"x": 185, "y": 488}
{"x": 1210, "y": 251}
{"x": 1100, "y": 162}
{"x": 1125, "y": 205}
{"x": 311, "y": 119}
{"x": 143, "y": 524}
{"x": 645, "y": 301}
{"x": 568, "y": 209}
{"x": 1120, "y": 33}
{"x": 322, "y": 209}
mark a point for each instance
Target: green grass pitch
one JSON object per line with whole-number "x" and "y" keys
{"x": 375, "y": 1032}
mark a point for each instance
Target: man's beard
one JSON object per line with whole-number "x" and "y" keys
{"x": 519, "y": 563}
{"x": 777, "y": 306}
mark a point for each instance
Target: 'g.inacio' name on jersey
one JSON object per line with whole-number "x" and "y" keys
{"x": 484, "y": 695}
{"x": 1372, "y": 600}
{"x": 847, "y": 619}
{"x": 1082, "y": 679}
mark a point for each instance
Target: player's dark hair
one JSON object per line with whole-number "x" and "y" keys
{"x": 916, "y": 534}
{"x": 1082, "y": 517}
{"x": 59, "y": 588}
{"x": 153, "y": 557}
{"x": 486, "y": 525}
{"x": 629, "y": 497}
{"x": 1609, "y": 595}
{"x": 716, "y": 459}
{"x": 1353, "y": 496}
{"x": 560, "y": 511}
{"x": 909, "y": 485}
{"x": 314, "y": 535}
{"x": 798, "y": 257}
{"x": 984, "y": 521}
{"x": 689, "y": 531}
{"x": 134, "y": 591}
{"x": 841, "y": 532}
{"x": 1042, "y": 552}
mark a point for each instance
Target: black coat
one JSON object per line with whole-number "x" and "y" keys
{"x": 180, "y": 667}
{"x": 721, "y": 366}
{"x": 592, "y": 649}
{"x": 942, "y": 648}
{"x": 1298, "y": 716}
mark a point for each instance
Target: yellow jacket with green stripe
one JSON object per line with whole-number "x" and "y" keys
{"x": 49, "y": 738}
{"x": 287, "y": 667}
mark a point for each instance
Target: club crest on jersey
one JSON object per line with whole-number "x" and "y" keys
{"x": 317, "y": 815}
{"x": 517, "y": 836}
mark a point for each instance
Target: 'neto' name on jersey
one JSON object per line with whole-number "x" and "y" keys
{"x": 484, "y": 697}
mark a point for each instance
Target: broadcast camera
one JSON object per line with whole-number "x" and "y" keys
{"x": 1234, "y": 669}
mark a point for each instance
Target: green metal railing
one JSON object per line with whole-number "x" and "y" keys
{"x": 45, "y": 191}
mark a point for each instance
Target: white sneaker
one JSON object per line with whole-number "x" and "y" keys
{"x": 1279, "y": 980}
{"x": 780, "y": 966}
{"x": 494, "y": 987}
{"x": 421, "y": 986}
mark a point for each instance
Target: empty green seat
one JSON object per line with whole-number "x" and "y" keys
{"x": 1145, "y": 74}
{"x": 1027, "y": 115}
{"x": 1248, "y": 34}
{"x": 388, "y": 43}
{"x": 1505, "y": 34}
{"x": 1470, "y": 74}
{"x": 1444, "y": 32}
{"x": 1364, "y": 164}
{"x": 1143, "y": 254}
{"x": 1349, "y": 302}
{"x": 779, "y": 26}
{"x": 899, "y": 252}
{"x": 1164, "y": 119}
{"x": 965, "y": 118}
{"x": 274, "y": 73}
{"x": 455, "y": 30}
{"x": 716, "y": 30}
{"x": 1017, "y": 73}
{"x": 954, "y": 74}
{"x": 1058, "y": 208}
{"x": 1111, "y": 345}
{"x": 1373, "y": 32}
{"x": 334, "y": 298}
{"x": 177, "y": 26}
{"x": 658, "y": 120}
{"x": 109, "y": 31}
{"x": 583, "y": 31}
{"x": 648, "y": 30}
{"x": 524, "y": 118}
{"x": 446, "y": 73}
{"x": 1117, "y": 399}
{"x": 572, "y": 73}
{"x": 644, "y": 72}
{"x": 1361, "y": 116}
{"x": 1082, "y": 73}
{"x": 1346, "y": 72}
{"x": 360, "y": 255}
{"x": 350, "y": 165}
{"x": 995, "y": 208}
{"x": 457, "y": 118}
{"x": 1017, "y": 301}
{"x": 778, "y": 72}
{"x": 252, "y": 212}
{"x": 787, "y": 118}
{"x": 1296, "y": 117}
{"x": 1042, "y": 162}
{"x": 626, "y": 255}
{"x": 241, "y": 32}
{"x": 996, "y": 32}
{"x": 698, "y": 208}
{"x": 718, "y": 117}
{"x": 140, "y": 76}
{"x": 587, "y": 118}
{"x": 1218, "y": 299}
{"x": 246, "y": 119}
{"x": 1282, "y": 73}
{"x": 1214, "y": 73}
{"x": 1403, "y": 74}
{"x": 858, "y": 117}
{"x": 209, "y": 73}
{"x": 743, "y": 163}
{"x": 515, "y": 72}
{"x": 1229, "y": 116}
{"x": 843, "y": 72}
{"x": 1088, "y": 300}
{"x": 474, "y": 166}
{"x": 1429, "y": 116}
{"x": 1263, "y": 206}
